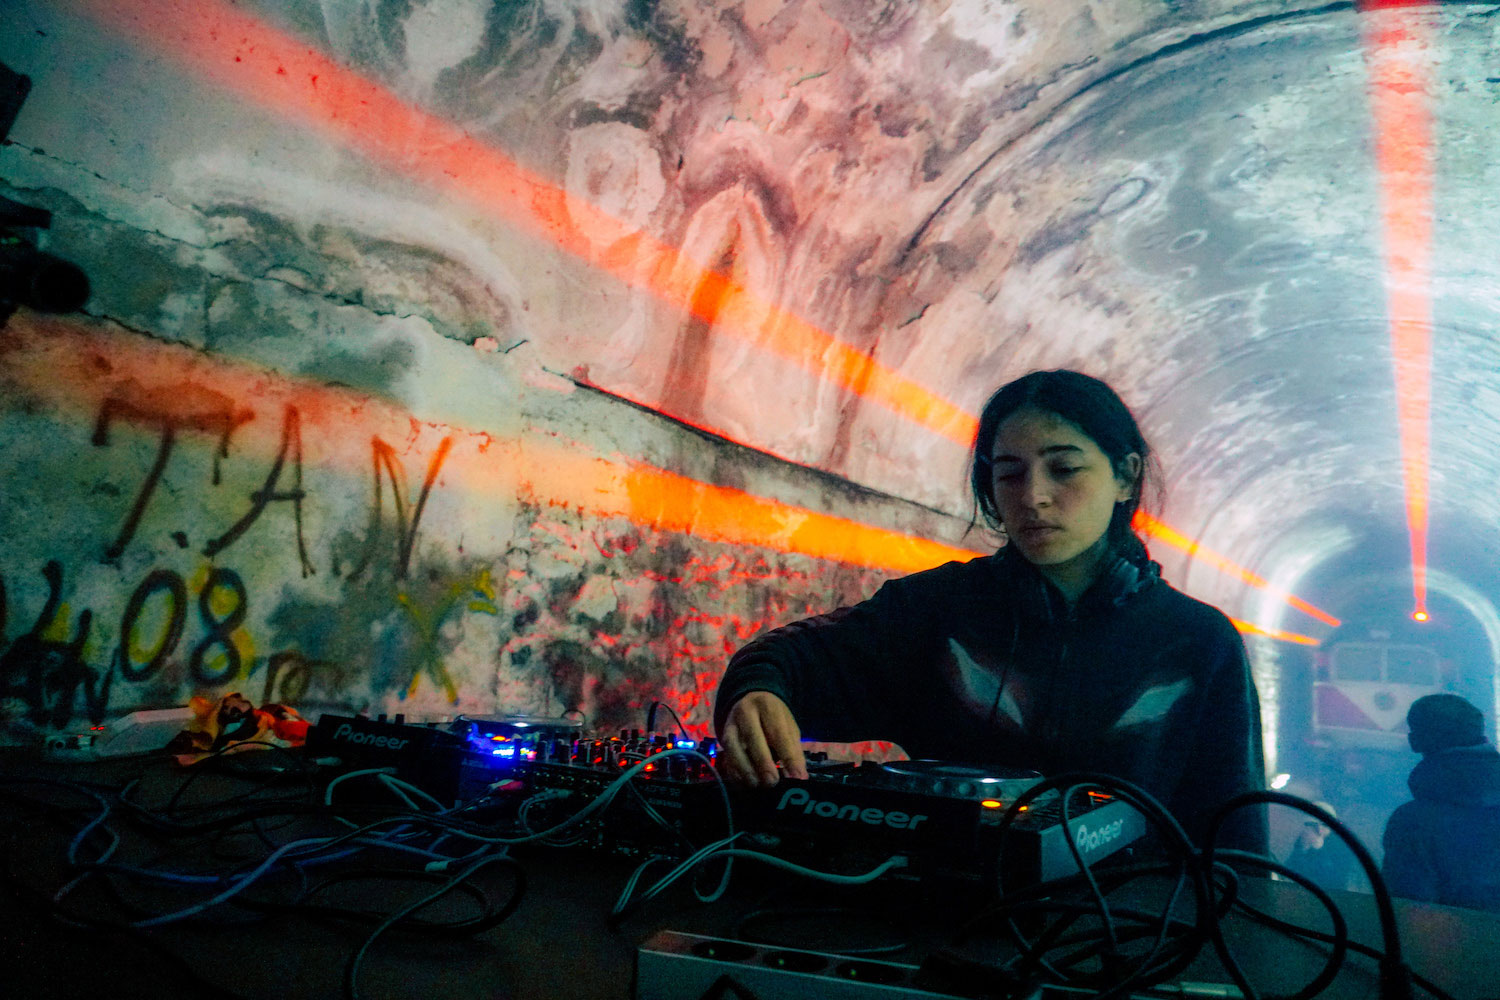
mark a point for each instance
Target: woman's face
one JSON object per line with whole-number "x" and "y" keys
{"x": 1056, "y": 493}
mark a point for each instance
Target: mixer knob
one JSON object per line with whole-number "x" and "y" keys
{"x": 709, "y": 748}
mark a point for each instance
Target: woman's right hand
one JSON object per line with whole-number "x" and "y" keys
{"x": 759, "y": 732}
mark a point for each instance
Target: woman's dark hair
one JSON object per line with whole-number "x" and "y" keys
{"x": 1096, "y": 410}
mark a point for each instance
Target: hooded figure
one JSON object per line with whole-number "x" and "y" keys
{"x": 1444, "y": 845}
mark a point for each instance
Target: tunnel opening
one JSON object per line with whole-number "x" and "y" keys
{"x": 1340, "y": 706}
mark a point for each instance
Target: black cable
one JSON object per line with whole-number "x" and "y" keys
{"x": 726, "y": 986}
{"x": 743, "y": 932}
{"x": 1050, "y": 896}
{"x": 1174, "y": 942}
{"x": 1296, "y": 930}
{"x": 418, "y": 925}
{"x": 1115, "y": 876}
{"x": 1159, "y": 945}
{"x": 264, "y": 835}
{"x": 106, "y": 873}
{"x": 657, "y": 817}
{"x": 291, "y": 860}
{"x": 104, "y": 880}
{"x": 651, "y": 718}
{"x": 1084, "y": 867}
{"x": 1091, "y": 938}
{"x": 351, "y": 970}
{"x": 1201, "y": 872}
{"x": 200, "y": 766}
{"x": 286, "y": 809}
{"x": 1339, "y": 937}
{"x": 1160, "y": 962}
{"x": 1322, "y": 937}
{"x": 176, "y": 828}
{"x": 1015, "y": 644}
{"x": 1395, "y": 977}
{"x": 41, "y": 902}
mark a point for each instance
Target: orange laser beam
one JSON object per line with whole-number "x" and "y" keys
{"x": 284, "y": 74}
{"x": 74, "y": 367}
{"x": 1396, "y": 47}
{"x": 1156, "y": 529}
{"x": 1301, "y": 640}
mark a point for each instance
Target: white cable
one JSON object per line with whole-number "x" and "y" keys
{"x": 603, "y": 800}
{"x": 721, "y": 849}
{"x": 889, "y": 864}
{"x": 687, "y": 865}
{"x": 405, "y": 790}
{"x": 328, "y": 791}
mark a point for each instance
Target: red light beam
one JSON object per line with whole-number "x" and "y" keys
{"x": 1156, "y": 529}
{"x": 286, "y": 75}
{"x": 1396, "y": 53}
{"x": 1248, "y": 629}
{"x": 74, "y": 366}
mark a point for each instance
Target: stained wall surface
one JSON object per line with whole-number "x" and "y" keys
{"x": 456, "y": 356}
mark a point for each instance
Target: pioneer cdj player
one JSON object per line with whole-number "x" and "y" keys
{"x": 946, "y": 817}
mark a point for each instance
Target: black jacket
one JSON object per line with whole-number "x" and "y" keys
{"x": 1444, "y": 845}
{"x": 981, "y": 662}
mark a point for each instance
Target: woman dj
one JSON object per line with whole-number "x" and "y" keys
{"x": 1063, "y": 651}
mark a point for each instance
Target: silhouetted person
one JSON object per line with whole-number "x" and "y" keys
{"x": 1444, "y": 845}
{"x": 1316, "y": 858}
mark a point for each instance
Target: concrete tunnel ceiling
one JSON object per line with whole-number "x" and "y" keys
{"x": 1239, "y": 213}
{"x": 1221, "y": 243}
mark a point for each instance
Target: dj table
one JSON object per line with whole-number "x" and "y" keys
{"x": 771, "y": 934}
